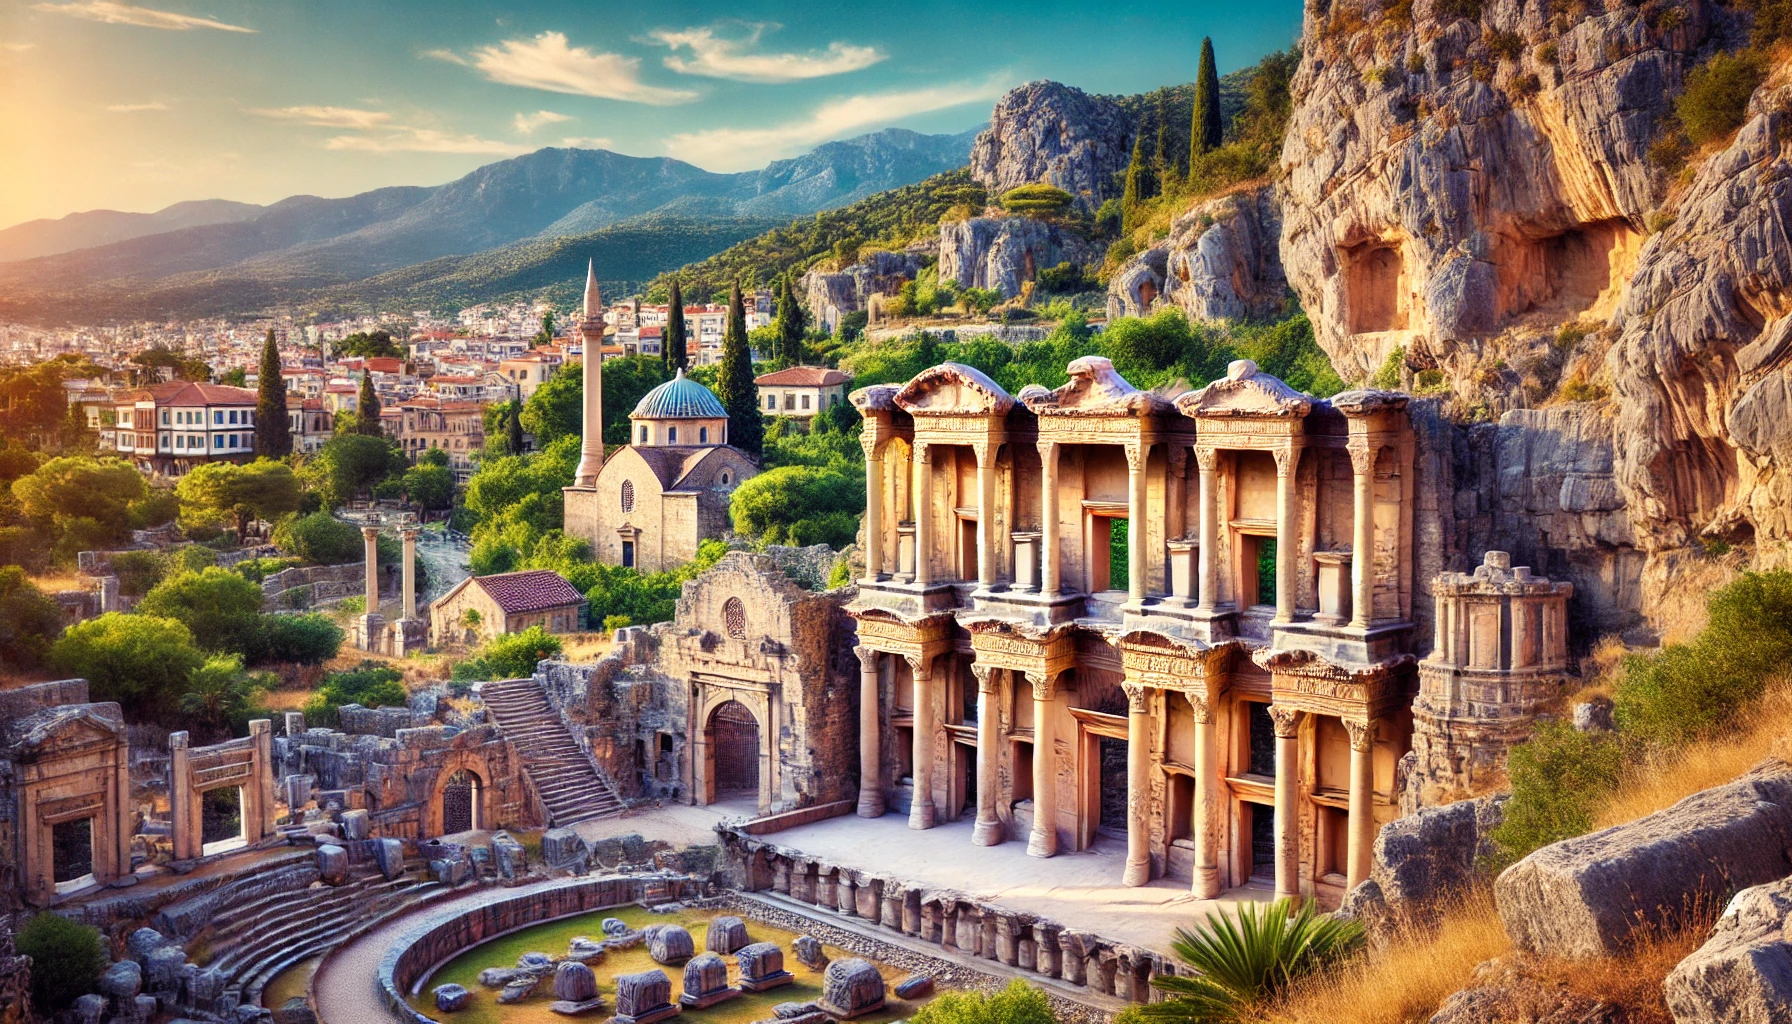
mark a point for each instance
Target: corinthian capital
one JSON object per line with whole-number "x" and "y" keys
{"x": 1286, "y": 720}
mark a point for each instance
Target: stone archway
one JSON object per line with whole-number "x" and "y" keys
{"x": 460, "y": 802}
{"x": 461, "y": 768}
{"x": 725, "y": 717}
{"x": 734, "y": 742}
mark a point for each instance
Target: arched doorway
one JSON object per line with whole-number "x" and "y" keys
{"x": 460, "y": 803}
{"x": 734, "y": 738}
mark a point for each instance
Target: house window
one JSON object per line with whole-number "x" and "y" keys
{"x": 628, "y": 495}
{"x": 233, "y": 415}
{"x": 734, "y": 616}
{"x": 643, "y": 433}
{"x": 771, "y": 402}
{"x": 218, "y": 417}
{"x": 805, "y": 401}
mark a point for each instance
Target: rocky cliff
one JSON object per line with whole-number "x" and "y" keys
{"x": 1004, "y": 253}
{"x": 1056, "y": 134}
{"x": 831, "y": 295}
{"x": 1221, "y": 261}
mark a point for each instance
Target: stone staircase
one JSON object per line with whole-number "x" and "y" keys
{"x": 252, "y": 943}
{"x": 571, "y": 785}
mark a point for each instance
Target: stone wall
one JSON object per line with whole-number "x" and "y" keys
{"x": 312, "y": 585}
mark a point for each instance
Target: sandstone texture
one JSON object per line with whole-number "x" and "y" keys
{"x": 1054, "y": 134}
{"x": 1004, "y": 253}
{"x": 1221, "y": 262}
{"x": 1743, "y": 973}
{"x": 1587, "y": 896}
{"x": 1433, "y": 853}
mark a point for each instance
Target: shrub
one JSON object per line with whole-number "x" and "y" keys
{"x": 800, "y": 505}
{"x": 141, "y": 661}
{"x": 67, "y": 960}
{"x": 1504, "y": 45}
{"x": 1715, "y": 100}
{"x": 369, "y": 684}
{"x": 302, "y": 639}
{"x": 320, "y": 538}
{"x": 29, "y": 620}
{"x": 612, "y": 623}
{"x": 1469, "y": 10}
{"x": 221, "y": 699}
{"x": 1036, "y": 199}
{"x": 258, "y": 569}
{"x": 1558, "y": 777}
{"x": 1387, "y": 378}
{"x": 221, "y": 608}
{"x": 1019, "y": 1003}
{"x": 138, "y": 571}
{"x": 510, "y": 656}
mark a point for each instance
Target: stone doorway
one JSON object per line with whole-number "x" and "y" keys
{"x": 71, "y": 854}
{"x": 1263, "y": 840}
{"x": 735, "y": 741}
{"x": 460, "y": 803}
{"x": 221, "y": 820}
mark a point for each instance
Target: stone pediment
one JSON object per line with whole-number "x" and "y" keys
{"x": 1095, "y": 388}
{"x": 876, "y": 398}
{"x": 954, "y": 389}
{"x": 54, "y": 730}
{"x": 1246, "y": 391}
{"x": 1363, "y": 401}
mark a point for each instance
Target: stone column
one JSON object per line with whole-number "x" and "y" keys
{"x": 1362, "y": 795}
{"x": 1362, "y": 553}
{"x": 871, "y": 762}
{"x": 923, "y": 513}
{"x": 1175, "y": 490}
{"x": 1287, "y": 512}
{"x": 921, "y": 811}
{"x": 260, "y": 792}
{"x": 409, "y": 535}
{"x": 874, "y": 508}
{"x": 371, "y": 534}
{"x": 182, "y": 810}
{"x": 1043, "y": 842}
{"x": 1136, "y": 457}
{"x": 1138, "y": 785}
{"x": 1287, "y": 727}
{"x": 988, "y": 830}
{"x": 1208, "y": 555}
{"x": 591, "y": 338}
{"x": 1206, "y": 883}
{"x": 986, "y": 514}
{"x": 1048, "y": 520}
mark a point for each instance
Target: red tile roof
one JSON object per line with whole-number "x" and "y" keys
{"x": 181, "y": 392}
{"x": 803, "y": 377}
{"x": 529, "y": 591}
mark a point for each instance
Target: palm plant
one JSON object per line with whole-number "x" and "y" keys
{"x": 1241, "y": 964}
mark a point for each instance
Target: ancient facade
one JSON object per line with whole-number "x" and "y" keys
{"x": 1187, "y": 622}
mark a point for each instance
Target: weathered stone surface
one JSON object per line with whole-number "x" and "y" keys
{"x": 585, "y": 949}
{"x": 914, "y": 986}
{"x": 1594, "y": 715}
{"x": 706, "y": 982}
{"x": 831, "y": 296}
{"x": 1055, "y": 134}
{"x": 295, "y": 1011}
{"x": 790, "y": 1011}
{"x": 1586, "y": 896}
{"x": 1004, "y": 253}
{"x": 669, "y": 943}
{"x": 1508, "y": 990}
{"x": 389, "y": 855}
{"x": 332, "y": 864}
{"x": 1433, "y": 853}
{"x": 90, "y": 1009}
{"x": 121, "y": 982}
{"x": 809, "y": 953}
{"x": 563, "y": 849}
{"x": 534, "y": 961}
{"x": 509, "y": 857}
{"x": 762, "y": 967}
{"x": 450, "y": 998}
{"x": 163, "y": 972}
{"x": 574, "y": 982}
{"x": 519, "y": 989}
{"x": 1220, "y": 262}
{"x": 357, "y": 824}
{"x": 1743, "y": 973}
{"x": 726, "y": 934}
{"x": 644, "y": 997}
{"x": 143, "y": 942}
{"x": 851, "y": 988}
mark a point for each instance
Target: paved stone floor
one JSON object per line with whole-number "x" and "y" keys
{"x": 1080, "y": 890}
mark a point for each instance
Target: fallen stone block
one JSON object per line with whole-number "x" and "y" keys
{"x": 725, "y": 935}
{"x": 914, "y": 986}
{"x": 562, "y": 849}
{"x": 762, "y": 967}
{"x": 1433, "y": 853}
{"x": 508, "y": 854}
{"x": 389, "y": 855}
{"x": 357, "y": 824}
{"x": 332, "y": 864}
{"x": 450, "y": 998}
{"x": 122, "y": 982}
{"x": 851, "y": 988}
{"x": 669, "y": 944}
{"x": 1743, "y": 973}
{"x": 809, "y": 952}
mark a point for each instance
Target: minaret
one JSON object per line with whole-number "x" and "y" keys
{"x": 591, "y": 334}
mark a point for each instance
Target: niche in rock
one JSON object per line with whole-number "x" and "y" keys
{"x": 1578, "y": 272}
{"x": 1374, "y": 285}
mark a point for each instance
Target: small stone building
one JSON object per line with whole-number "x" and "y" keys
{"x": 506, "y": 603}
{"x": 801, "y": 392}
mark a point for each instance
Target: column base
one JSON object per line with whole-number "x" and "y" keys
{"x": 921, "y": 814}
{"x": 871, "y": 805}
{"x": 1042, "y": 843}
{"x": 1207, "y": 882}
{"x": 1136, "y": 874}
{"x": 987, "y": 833}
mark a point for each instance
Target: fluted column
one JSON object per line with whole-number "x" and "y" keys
{"x": 409, "y": 535}
{"x": 986, "y": 514}
{"x": 1362, "y": 553}
{"x": 371, "y": 536}
{"x": 988, "y": 831}
{"x": 1287, "y": 728}
{"x": 871, "y": 762}
{"x": 1206, "y": 883}
{"x": 874, "y": 508}
{"x": 1048, "y": 518}
{"x": 1136, "y": 457}
{"x": 1043, "y": 842}
{"x": 921, "y": 811}
{"x": 1138, "y": 785}
{"x": 923, "y": 513}
{"x": 1287, "y": 514}
{"x": 1362, "y": 794}
{"x": 1205, "y": 461}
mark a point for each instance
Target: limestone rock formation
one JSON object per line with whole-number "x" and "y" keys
{"x": 1058, "y": 135}
{"x": 831, "y": 295}
{"x": 1588, "y": 895}
{"x": 1743, "y": 973}
{"x": 1433, "y": 853}
{"x": 1221, "y": 262}
{"x": 1005, "y": 253}
{"x": 851, "y": 988}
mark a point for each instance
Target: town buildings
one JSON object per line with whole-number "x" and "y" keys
{"x": 167, "y": 429}
{"x": 801, "y": 392}
{"x": 455, "y": 427}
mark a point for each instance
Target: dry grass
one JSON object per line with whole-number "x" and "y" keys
{"x": 586, "y": 646}
{"x": 53, "y": 582}
{"x": 1404, "y": 978}
{"x": 1600, "y": 669}
{"x": 1630, "y": 983}
{"x": 1678, "y": 600}
{"x": 1666, "y": 779}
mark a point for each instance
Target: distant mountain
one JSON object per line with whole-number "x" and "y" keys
{"x": 305, "y": 245}
{"x": 101, "y": 227}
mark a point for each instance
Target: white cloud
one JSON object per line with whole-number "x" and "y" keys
{"x": 549, "y": 63}
{"x": 423, "y": 140}
{"x": 527, "y": 123}
{"x": 729, "y": 58}
{"x": 733, "y": 149}
{"x": 328, "y": 117}
{"x": 586, "y": 142}
{"x": 132, "y": 108}
{"x": 114, "y": 13}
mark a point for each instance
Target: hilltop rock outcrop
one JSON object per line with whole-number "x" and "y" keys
{"x": 1005, "y": 253}
{"x": 1221, "y": 261}
{"x": 1052, "y": 133}
{"x": 832, "y": 295}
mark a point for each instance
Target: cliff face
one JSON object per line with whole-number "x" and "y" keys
{"x": 831, "y": 296}
{"x": 1220, "y": 262}
{"x": 1052, "y": 133}
{"x": 1004, "y": 253}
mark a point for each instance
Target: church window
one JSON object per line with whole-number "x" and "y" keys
{"x": 702, "y": 435}
{"x": 724, "y": 478}
{"x": 671, "y": 435}
{"x": 734, "y": 616}
{"x": 628, "y": 495}
{"x": 643, "y": 433}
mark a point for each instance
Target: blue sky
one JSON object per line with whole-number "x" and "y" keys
{"x": 135, "y": 104}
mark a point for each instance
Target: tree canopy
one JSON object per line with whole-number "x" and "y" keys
{"x": 142, "y": 661}
{"x": 217, "y": 492}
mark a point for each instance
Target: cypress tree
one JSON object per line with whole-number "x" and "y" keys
{"x": 1138, "y": 186}
{"x": 367, "y": 407}
{"x": 273, "y": 435}
{"x": 790, "y": 326}
{"x": 672, "y": 346}
{"x": 1165, "y": 155}
{"x": 1205, "y": 129}
{"x": 513, "y": 428}
{"x": 734, "y": 382}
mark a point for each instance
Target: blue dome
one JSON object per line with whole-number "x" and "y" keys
{"x": 679, "y": 399}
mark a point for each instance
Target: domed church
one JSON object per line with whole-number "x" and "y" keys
{"x": 652, "y": 501}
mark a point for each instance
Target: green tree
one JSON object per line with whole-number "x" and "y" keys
{"x": 226, "y": 491}
{"x": 309, "y": 639}
{"x": 221, "y": 698}
{"x": 511, "y": 655}
{"x": 556, "y": 408}
{"x": 141, "y": 661}
{"x": 735, "y": 387}
{"x": 273, "y": 434}
{"x": 378, "y": 345}
{"x": 367, "y": 407}
{"x": 1206, "y": 130}
{"x": 319, "y": 538}
{"x": 1138, "y": 187}
{"x": 351, "y": 465}
{"x": 800, "y": 505}
{"x": 546, "y": 335}
{"x": 79, "y": 502}
{"x": 29, "y": 620}
{"x": 67, "y": 959}
{"x": 219, "y": 607}
{"x": 513, "y": 429}
{"x": 673, "y": 347}
{"x": 430, "y": 487}
{"x": 236, "y": 377}
{"x": 791, "y": 325}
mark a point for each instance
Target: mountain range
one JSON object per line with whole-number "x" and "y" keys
{"x": 214, "y": 258}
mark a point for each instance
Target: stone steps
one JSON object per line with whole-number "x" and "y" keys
{"x": 569, "y": 784}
